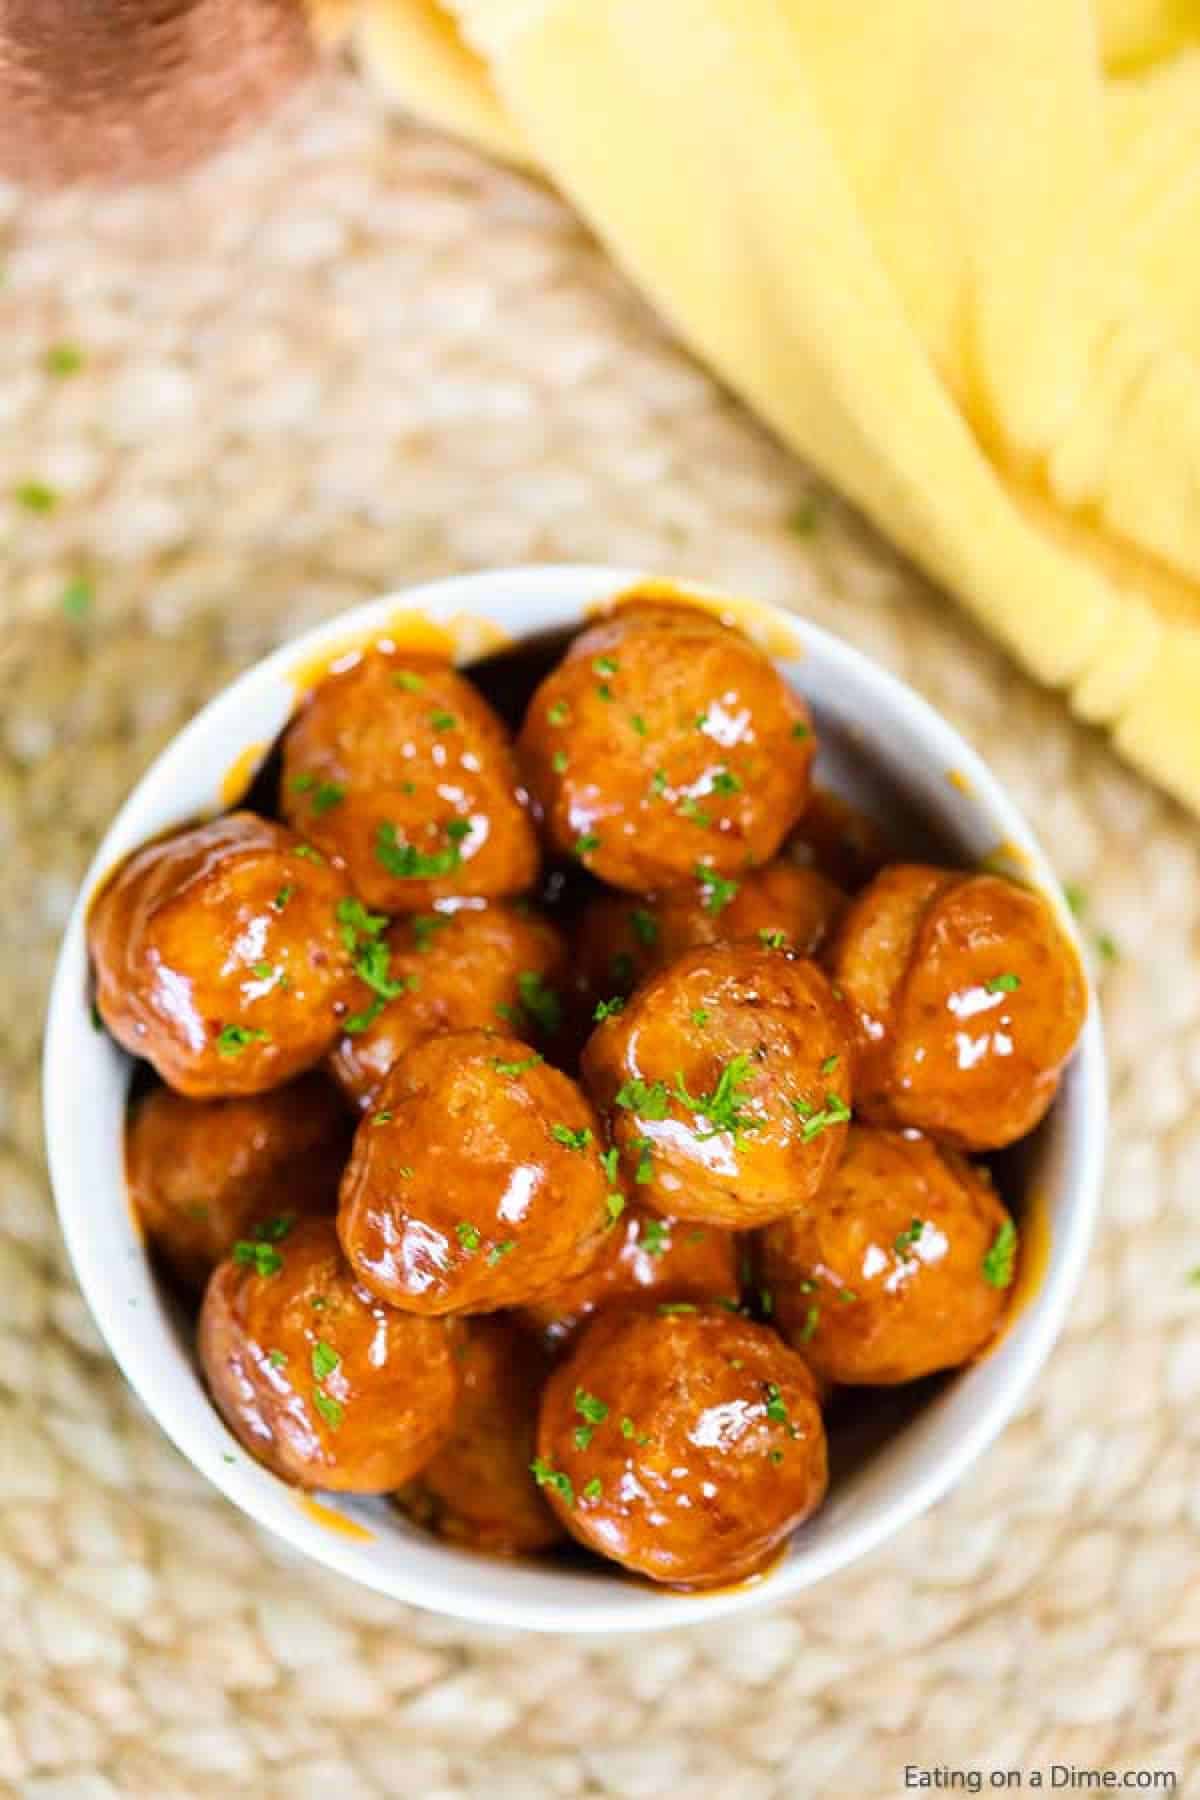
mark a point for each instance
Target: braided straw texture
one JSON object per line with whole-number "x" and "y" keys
{"x": 344, "y": 357}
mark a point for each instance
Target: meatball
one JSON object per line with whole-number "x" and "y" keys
{"x": 900, "y": 1268}
{"x": 968, "y": 999}
{"x": 476, "y": 1183}
{"x": 202, "y": 1173}
{"x": 622, "y": 939}
{"x": 727, "y": 1083}
{"x": 479, "y": 1490}
{"x": 451, "y": 970}
{"x": 319, "y": 1381}
{"x": 645, "y": 1258}
{"x": 836, "y": 839}
{"x": 665, "y": 739}
{"x": 399, "y": 768}
{"x": 684, "y": 1443}
{"x": 219, "y": 958}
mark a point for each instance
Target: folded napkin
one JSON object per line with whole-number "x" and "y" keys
{"x": 949, "y": 250}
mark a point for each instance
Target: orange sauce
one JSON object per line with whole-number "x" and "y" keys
{"x": 1007, "y": 858}
{"x": 958, "y": 780}
{"x": 463, "y": 638}
{"x": 748, "y": 1581}
{"x": 333, "y": 1520}
{"x": 241, "y": 772}
{"x": 759, "y": 623}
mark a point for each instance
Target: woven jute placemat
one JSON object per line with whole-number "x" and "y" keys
{"x": 345, "y": 356}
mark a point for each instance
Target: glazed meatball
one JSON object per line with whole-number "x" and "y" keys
{"x": 621, "y": 939}
{"x": 683, "y": 1443}
{"x": 399, "y": 768}
{"x": 645, "y": 1258}
{"x": 202, "y": 1173}
{"x": 726, "y": 1079}
{"x": 968, "y": 1000}
{"x": 476, "y": 1183}
{"x": 900, "y": 1268}
{"x": 838, "y": 840}
{"x": 218, "y": 956}
{"x": 319, "y": 1381}
{"x": 473, "y": 966}
{"x": 666, "y": 739}
{"x": 479, "y": 1490}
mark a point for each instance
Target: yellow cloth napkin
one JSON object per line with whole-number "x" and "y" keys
{"x": 949, "y": 249}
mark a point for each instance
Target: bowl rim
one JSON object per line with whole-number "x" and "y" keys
{"x": 566, "y": 591}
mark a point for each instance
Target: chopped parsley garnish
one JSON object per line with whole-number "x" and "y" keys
{"x": 644, "y": 1172}
{"x": 574, "y": 1140}
{"x": 277, "y": 1359}
{"x": 676, "y": 1306}
{"x": 516, "y": 1068}
{"x": 262, "y": 971}
{"x": 546, "y": 1476}
{"x": 605, "y": 665}
{"x": 589, "y": 1407}
{"x": 725, "y": 1108}
{"x": 308, "y": 853}
{"x": 658, "y": 784}
{"x": 467, "y": 1235}
{"x": 766, "y": 1302}
{"x": 498, "y": 1251}
{"x": 35, "y": 496}
{"x": 586, "y": 842}
{"x": 603, "y": 691}
{"x": 701, "y": 1016}
{"x": 592, "y": 1489}
{"x": 258, "y": 1251}
{"x": 583, "y": 1435}
{"x": 834, "y": 1112}
{"x": 300, "y": 784}
{"x": 627, "y": 1426}
{"x": 282, "y": 897}
{"x": 639, "y": 724}
{"x": 409, "y": 680}
{"x": 812, "y": 1319}
{"x": 425, "y": 927}
{"x": 354, "y": 921}
{"x": 614, "y": 1205}
{"x": 847, "y": 1296}
{"x": 442, "y": 721}
{"x": 540, "y": 1001}
{"x": 800, "y": 730}
{"x": 776, "y": 1456}
{"x": 77, "y": 597}
{"x": 645, "y": 925}
{"x": 906, "y": 1239}
{"x": 408, "y": 863}
{"x": 772, "y": 940}
{"x": 655, "y": 1237}
{"x": 1003, "y": 984}
{"x": 717, "y": 891}
{"x": 331, "y": 1410}
{"x": 383, "y": 1117}
{"x": 233, "y": 1039}
{"x": 62, "y": 360}
{"x": 327, "y": 796}
{"x": 829, "y": 1065}
{"x": 1000, "y": 1262}
{"x": 649, "y": 1099}
{"x": 608, "y": 1009}
{"x": 777, "y": 1411}
{"x": 325, "y": 1360}
{"x": 690, "y": 808}
{"x": 610, "y": 1161}
{"x": 559, "y": 713}
{"x": 726, "y": 782}
{"x": 558, "y": 762}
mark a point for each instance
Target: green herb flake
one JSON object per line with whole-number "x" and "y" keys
{"x": 498, "y": 1252}
{"x": 627, "y": 1427}
{"x": 409, "y": 680}
{"x": 649, "y": 1099}
{"x": 442, "y": 721}
{"x": 589, "y": 1407}
{"x": 592, "y": 1490}
{"x": 999, "y": 1264}
{"x": 614, "y": 1205}
{"x": 847, "y": 1296}
{"x": 515, "y": 1069}
{"x": 35, "y": 496}
{"x": 583, "y": 1435}
{"x": 277, "y": 1359}
{"x": 559, "y": 713}
{"x": 233, "y": 1039}
{"x": 585, "y": 843}
{"x": 834, "y": 1112}
{"x": 671, "y": 1307}
{"x": 812, "y": 1319}
{"x": 605, "y": 665}
{"x": 700, "y": 1017}
{"x": 905, "y": 1240}
{"x": 772, "y": 940}
{"x": 552, "y": 1478}
{"x": 325, "y": 1360}
{"x": 558, "y": 762}
{"x": 690, "y": 808}
{"x": 726, "y": 782}
{"x": 328, "y": 795}
{"x": 829, "y": 1065}
{"x": 263, "y": 1258}
{"x": 407, "y": 863}
{"x": 658, "y": 784}
{"x": 655, "y": 1237}
{"x": 63, "y": 360}
{"x": 573, "y": 1140}
{"x": 717, "y": 891}
{"x": 76, "y": 599}
{"x": 308, "y": 853}
{"x": 645, "y": 926}
{"x": 282, "y": 897}
{"x": 608, "y": 1009}
{"x": 1003, "y": 984}
{"x": 726, "y": 1108}
{"x": 776, "y": 1456}
{"x": 540, "y": 1001}
{"x": 331, "y": 1410}
{"x": 425, "y": 927}
{"x": 383, "y": 1117}
{"x": 800, "y": 731}
{"x": 467, "y": 1235}
{"x": 639, "y": 724}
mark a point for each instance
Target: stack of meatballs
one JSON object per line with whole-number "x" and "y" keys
{"x": 560, "y": 1204}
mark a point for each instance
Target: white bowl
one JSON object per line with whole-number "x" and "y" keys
{"x": 882, "y": 746}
